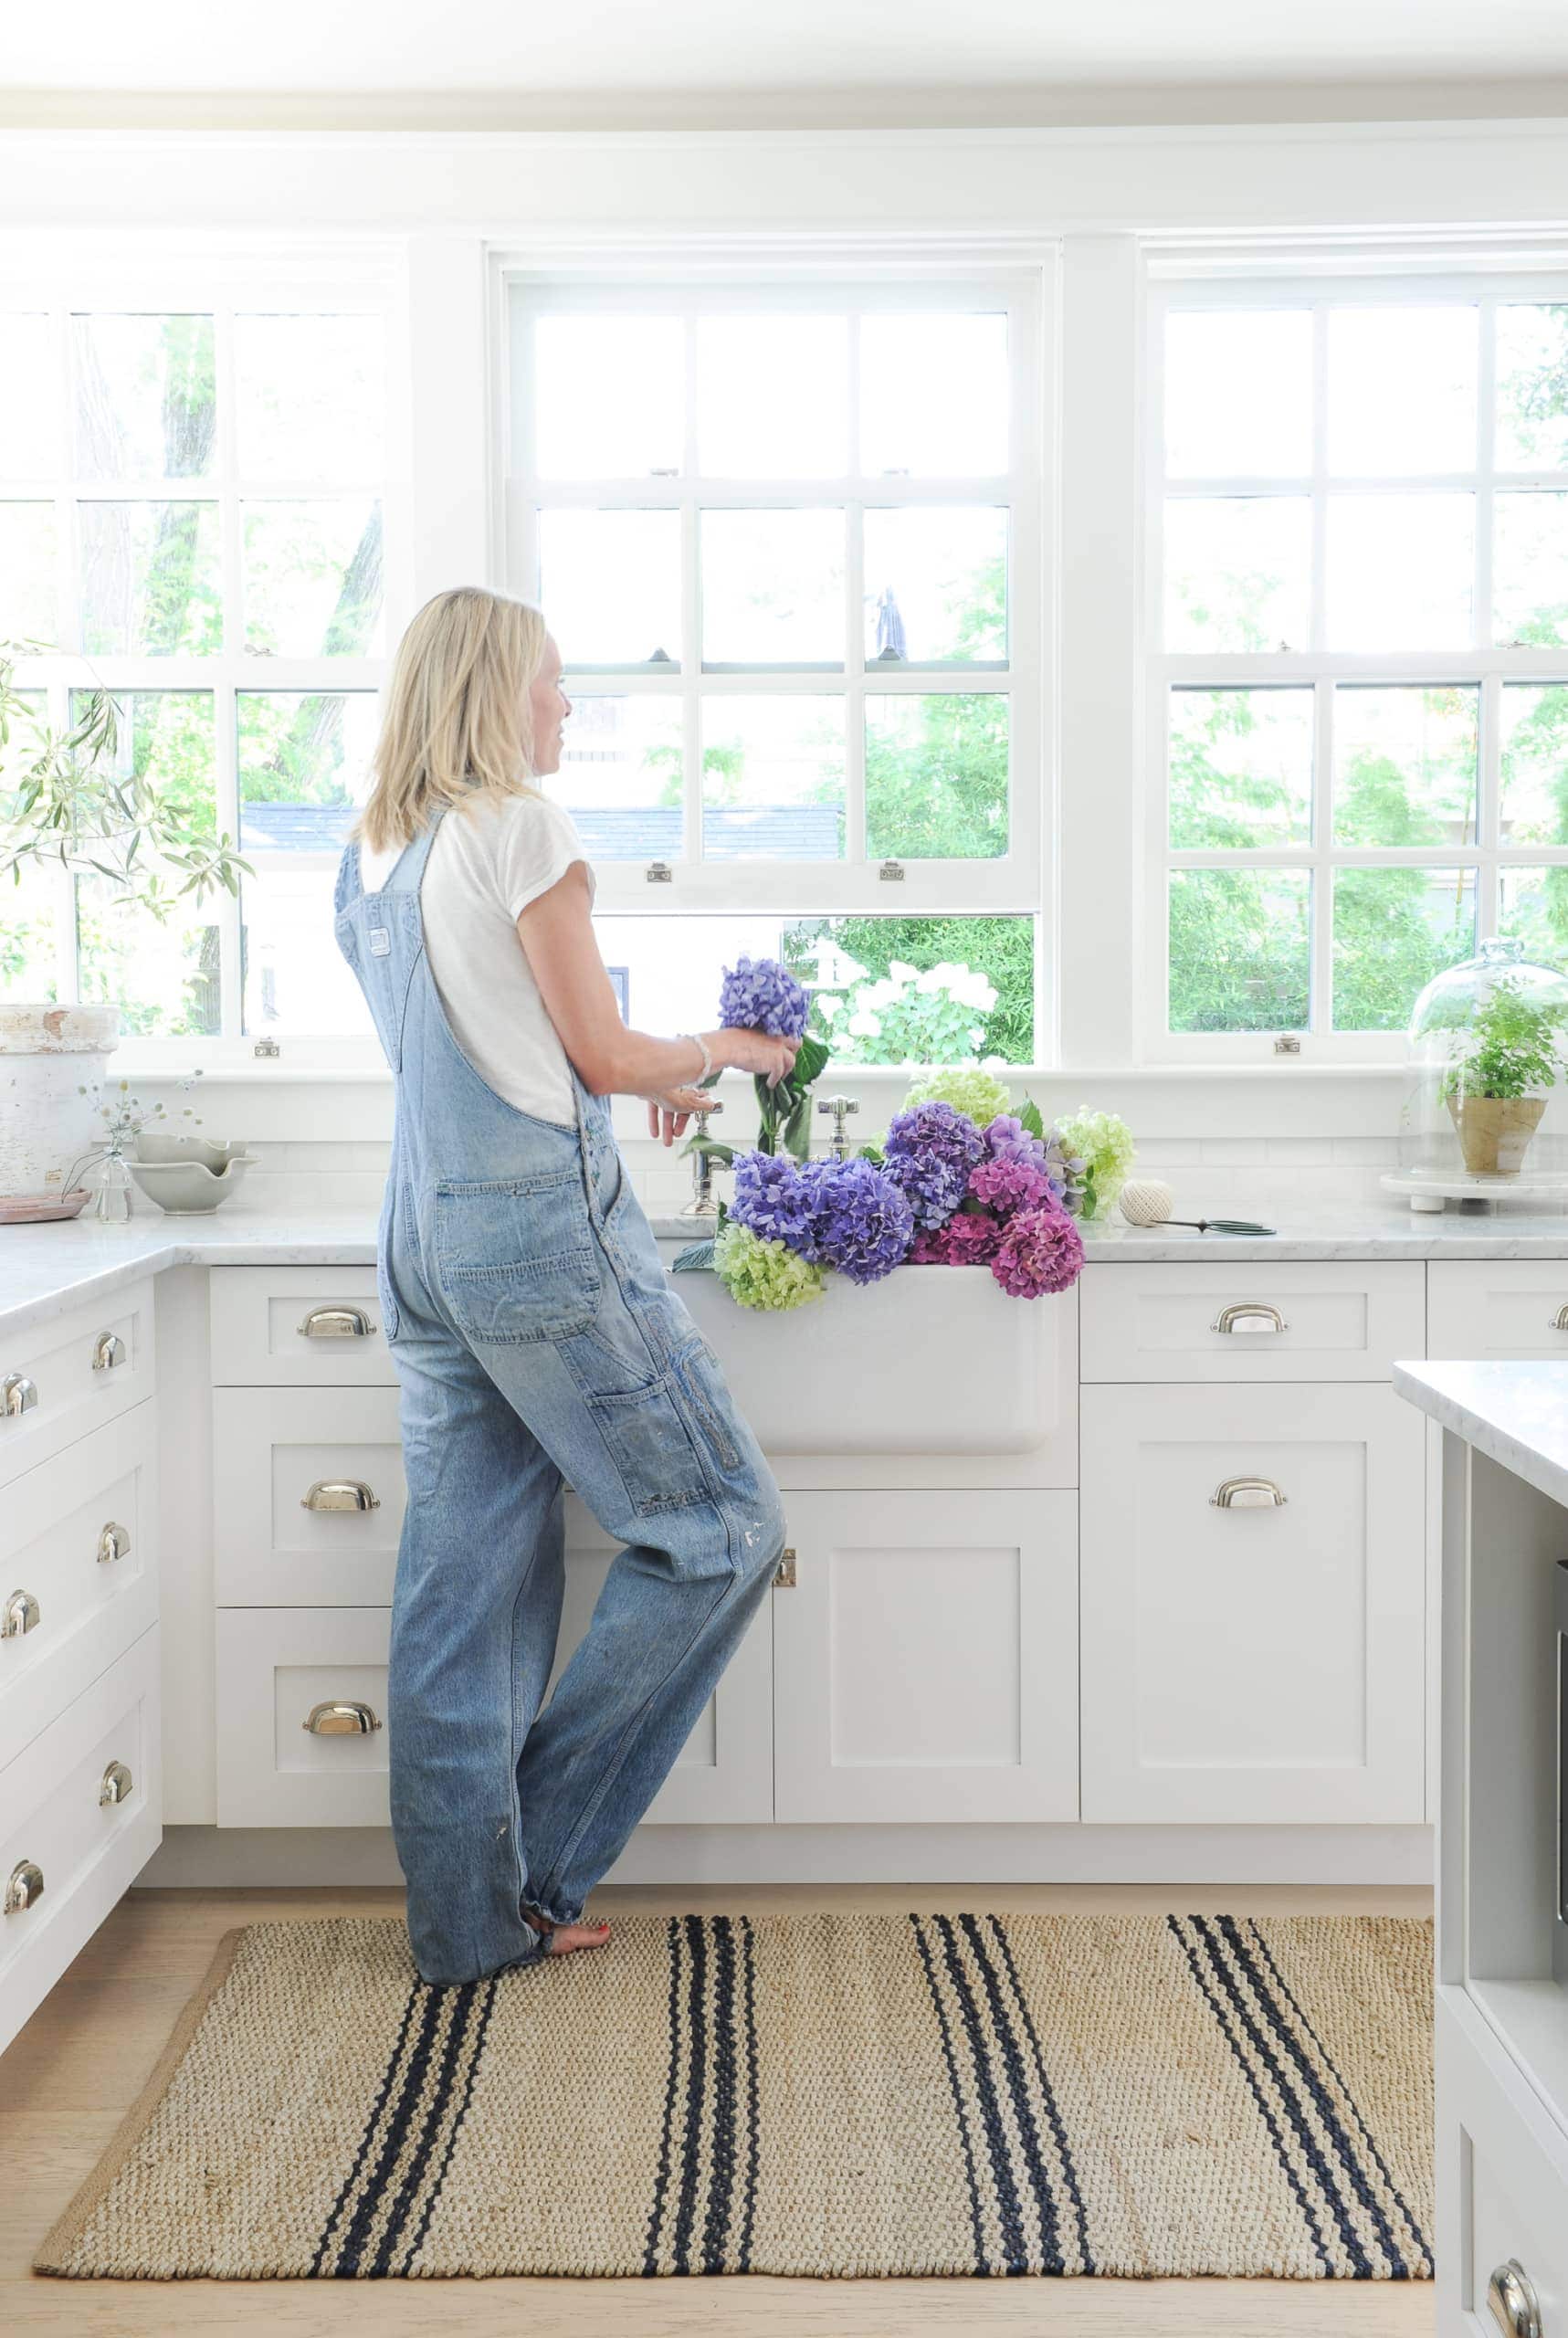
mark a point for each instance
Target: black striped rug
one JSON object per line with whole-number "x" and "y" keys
{"x": 821, "y": 2094}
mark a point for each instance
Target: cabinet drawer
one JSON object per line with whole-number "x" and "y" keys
{"x": 79, "y": 1544}
{"x": 1251, "y": 1322}
{"x": 1506, "y": 1309}
{"x": 1502, "y": 2177}
{"x": 1245, "y": 1660}
{"x": 88, "y": 1851}
{"x": 274, "y": 1450}
{"x": 66, "y": 1376}
{"x": 298, "y": 1327}
{"x": 275, "y": 1664}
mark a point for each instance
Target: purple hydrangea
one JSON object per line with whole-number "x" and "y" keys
{"x": 929, "y": 1152}
{"x": 1011, "y": 1183}
{"x": 759, "y": 995}
{"x": 863, "y": 1222}
{"x": 1040, "y": 1250}
{"x": 775, "y": 1200}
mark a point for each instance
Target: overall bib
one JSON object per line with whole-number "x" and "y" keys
{"x": 537, "y": 1341}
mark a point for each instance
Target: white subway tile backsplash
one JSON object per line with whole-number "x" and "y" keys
{"x": 1300, "y": 1151}
{"x": 1366, "y": 1151}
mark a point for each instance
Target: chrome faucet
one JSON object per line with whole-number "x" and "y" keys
{"x": 702, "y": 1203}
{"x": 839, "y": 1106}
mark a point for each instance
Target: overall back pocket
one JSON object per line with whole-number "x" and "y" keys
{"x": 516, "y": 1259}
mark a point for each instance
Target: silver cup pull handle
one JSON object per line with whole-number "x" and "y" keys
{"x": 342, "y": 1716}
{"x": 108, "y": 1351}
{"x": 1250, "y": 1315}
{"x": 1559, "y": 1322}
{"x": 339, "y": 1493}
{"x": 18, "y": 1395}
{"x": 114, "y": 1785}
{"x": 1512, "y": 2301}
{"x": 337, "y": 1323}
{"x": 113, "y": 1543}
{"x": 1246, "y": 1493}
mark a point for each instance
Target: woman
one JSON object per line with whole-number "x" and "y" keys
{"x": 535, "y": 1335}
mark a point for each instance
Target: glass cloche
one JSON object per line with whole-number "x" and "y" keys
{"x": 1487, "y": 1109}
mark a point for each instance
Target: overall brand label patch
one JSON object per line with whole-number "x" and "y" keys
{"x": 380, "y": 941}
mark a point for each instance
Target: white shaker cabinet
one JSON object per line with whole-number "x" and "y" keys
{"x": 925, "y": 1659}
{"x": 1253, "y": 1605}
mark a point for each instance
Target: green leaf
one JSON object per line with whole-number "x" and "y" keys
{"x": 798, "y": 1130}
{"x": 713, "y": 1146}
{"x": 1031, "y": 1120}
{"x": 695, "y": 1260}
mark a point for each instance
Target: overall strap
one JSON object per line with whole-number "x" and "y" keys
{"x": 407, "y": 873}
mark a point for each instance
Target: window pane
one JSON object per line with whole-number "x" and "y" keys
{"x": 621, "y": 776}
{"x": 304, "y": 767}
{"x": 936, "y": 584}
{"x": 899, "y": 990}
{"x": 1393, "y": 929}
{"x": 152, "y": 584}
{"x": 27, "y": 572}
{"x": 1401, "y": 569}
{"x": 1534, "y": 808}
{"x": 162, "y": 973}
{"x": 773, "y": 397}
{"x": 1530, "y": 570}
{"x": 1237, "y": 573}
{"x": 933, "y": 395}
{"x": 773, "y": 779}
{"x": 1404, "y": 765}
{"x": 1402, "y": 390}
{"x": 312, "y": 578}
{"x": 772, "y": 588}
{"x": 29, "y": 407}
{"x": 1532, "y": 386}
{"x": 29, "y": 931}
{"x": 1534, "y": 905}
{"x": 1239, "y": 393}
{"x": 1240, "y": 949}
{"x": 310, "y": 397}
{"x": 609, "y": 582}
{"x": 936, "y": 778}
{"x": 1241, "y": 767}
{"x": 609, "y": 397}
{"x": 146, "y": 399}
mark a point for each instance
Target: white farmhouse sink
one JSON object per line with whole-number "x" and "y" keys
{"x": 931, "y": 1360}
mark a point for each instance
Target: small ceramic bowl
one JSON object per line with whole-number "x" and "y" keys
{"x": 184, "y": 1189}
{"x": 210, "y": 1151}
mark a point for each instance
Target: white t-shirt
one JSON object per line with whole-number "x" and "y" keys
{"x": 489, "y": 860}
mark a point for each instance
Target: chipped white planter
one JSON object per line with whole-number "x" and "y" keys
{"x": 47, "y": 1055}
{"x": 931, "y": 1360}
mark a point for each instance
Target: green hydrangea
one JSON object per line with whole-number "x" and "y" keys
{"x": 968, "y": 1088}
{"x": 759, "y": 1273}
{"x": 1104, "y": 1141}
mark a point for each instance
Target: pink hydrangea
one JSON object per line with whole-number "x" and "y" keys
{"x": 969, "y": 1238}
{"x": 1011, "y": 1183}
{"x": 1040, "y": 1250}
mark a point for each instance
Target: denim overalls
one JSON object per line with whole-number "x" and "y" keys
{"x": 536, "y": 1339}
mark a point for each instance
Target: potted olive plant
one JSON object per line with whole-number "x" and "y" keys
{"x": 1496, "y": 1090}
{"x": 65, "y": 799}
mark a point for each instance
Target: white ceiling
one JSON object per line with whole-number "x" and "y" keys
{"x": 601, "y": 51}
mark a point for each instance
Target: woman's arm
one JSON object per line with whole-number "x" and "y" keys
{"x": 558, "y": 940}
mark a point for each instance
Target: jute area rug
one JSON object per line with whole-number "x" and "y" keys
{"x": 802, "y": 2094}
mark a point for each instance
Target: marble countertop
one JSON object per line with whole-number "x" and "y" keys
{"x": 1515, "y": 1412}
{"x": 46, "y": 1269}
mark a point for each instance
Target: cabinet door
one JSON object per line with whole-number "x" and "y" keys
{"x": 1244, "y": 1662}
{"x": 925, "y": 1660}
{"x": 1512, "y": 1309}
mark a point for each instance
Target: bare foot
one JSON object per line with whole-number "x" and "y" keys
{"x": 565, "y": 1939}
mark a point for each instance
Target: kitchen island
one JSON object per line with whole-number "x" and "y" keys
{"x": 1502, "y": 1844}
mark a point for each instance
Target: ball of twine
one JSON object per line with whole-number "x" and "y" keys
{"x": 1146, "y": 1201}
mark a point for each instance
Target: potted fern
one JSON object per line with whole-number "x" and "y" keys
{"x": 1496, "y": 1090}
{"x": 67, "y": 801}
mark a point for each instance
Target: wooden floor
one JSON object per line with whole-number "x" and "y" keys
{"x": 67, "y": 2079}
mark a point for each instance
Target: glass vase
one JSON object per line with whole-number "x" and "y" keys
{"x": 111, "y": 1201}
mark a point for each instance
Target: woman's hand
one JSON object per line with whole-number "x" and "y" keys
{"x": 754, "y": 1051}
{"x": 669, "y": 1115}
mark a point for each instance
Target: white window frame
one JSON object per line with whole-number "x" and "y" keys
{"x": 1021, "y": 881}
{"x": 1434, "y": 278}
{"x": 181, "y": 279}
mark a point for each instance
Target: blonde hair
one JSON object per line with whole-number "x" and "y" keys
{"x": 458, "y": 721}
